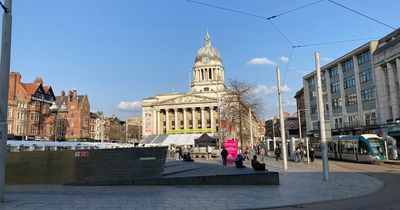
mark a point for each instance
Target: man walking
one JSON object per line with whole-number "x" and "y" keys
{"x": 224, "y": 155}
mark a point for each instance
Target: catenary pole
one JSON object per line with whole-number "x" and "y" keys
{"x": 4, "y": 82}
{"x": 283, "y": 138}
{"x": 321, "y": 116}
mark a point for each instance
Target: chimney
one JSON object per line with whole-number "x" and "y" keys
{"x": 62, "y": 93}
{"x": 70, "y": 94}
{"x": 39, "y": 80}
{"x": 74, "y": 94}
{"x": 14, "y": 79}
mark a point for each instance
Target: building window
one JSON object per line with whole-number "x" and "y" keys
{"x": 367, "y": 95}
{"x": 333, "y": 72}
{"x": 364, "y": 57}
{"x": 349, "y": 82}
{"x": 347, "y": 65}
{"x": 313, "y": 94}
{"x": 336, "y": 103}
{"x": 311, "y": 82}
{"x": 365, "y": 76}
{"x": 335, "y": 87}
{"x": 351, "y": 99}
{"x": 338, "y": 122}
{"x": 313, "y": 109}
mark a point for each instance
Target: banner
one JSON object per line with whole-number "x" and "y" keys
{"x": 232, "y": 147}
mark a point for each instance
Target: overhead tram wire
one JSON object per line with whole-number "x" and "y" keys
{"x": 366, "y": 16}
{"x": 332, "y": 42}
{"x": 288, "y": 64}
{"x": 292, "y": 10}
{"x": 259, "y": 16}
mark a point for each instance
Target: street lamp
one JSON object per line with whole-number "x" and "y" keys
{"x": 299, "y": 118}
{"x": 54, "y": 109}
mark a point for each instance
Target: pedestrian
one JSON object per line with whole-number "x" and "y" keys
{"x": 301, "y": 155}
{"x": 224, "y": 155}
{"x": 246, "y": 153}
{"x": 312, "y": 154}
{"x": 297, "y": 153}
{"x": 209, "y": 150}
{"x": 262, "y": 153}
{"x": 277, "y": 153}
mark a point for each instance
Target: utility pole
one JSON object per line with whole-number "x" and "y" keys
{"x": 251, "y": 129}
{"x": 4, "y": 82}
{"x": 284, "y": 150}
{"x": 321, "y": 116}
{"x": 273, "y": 132}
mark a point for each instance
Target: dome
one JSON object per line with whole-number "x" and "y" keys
{"x": 207, "y": 52}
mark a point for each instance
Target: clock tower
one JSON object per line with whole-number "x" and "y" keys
{"x": 208, "y": 70}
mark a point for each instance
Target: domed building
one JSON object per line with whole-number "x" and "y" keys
{"x": 195, "y": 112}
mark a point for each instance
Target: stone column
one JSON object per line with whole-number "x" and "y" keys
{"x": 184, "y": 118}
{"x": 381, "y": 95}
{"x": 342, "y": 93}
{"x": 154, "y": 123}
{"x": 393, "y": 92}
{"x": 193, "y": 118}
{"x": 166, "y": 120}
{"x": 176, "y": 119}
{"x": 329, "y": 94}
{"x": 358, "y": 90}
{"x": 212, "y": 119}
{"x": 158, "y": 123}
{"x": 202, "y": 117}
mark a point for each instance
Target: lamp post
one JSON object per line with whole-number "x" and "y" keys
{"x": 4, "y": 82}
{"x": 299, "y": 118}
{"x": 54, "y": 109}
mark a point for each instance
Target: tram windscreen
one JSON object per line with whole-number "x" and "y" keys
{"x": 375, "y": 145}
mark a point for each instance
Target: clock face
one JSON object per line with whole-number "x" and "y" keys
{"x": 205, "y": 60}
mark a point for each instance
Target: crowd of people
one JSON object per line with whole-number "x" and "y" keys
{"x": 258, "y": 152}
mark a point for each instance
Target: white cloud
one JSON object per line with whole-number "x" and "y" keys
{"x": 262, "y": 90}
{"x": 288, "y": 104}
{"x": 284, "y": 59}
{"x": 291, "y": 103}
{"x": 261, "y": 61}
{"x": 130, "y": 106}
{"x": 286, "y": 88}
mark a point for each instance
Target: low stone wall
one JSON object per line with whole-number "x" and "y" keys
{"x": 85, "y": 166}
{"x": 256, "y": 178}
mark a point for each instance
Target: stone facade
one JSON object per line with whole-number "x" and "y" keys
{"x": 193, "y": 112}
{"x": 387, "y": 72}
{"x": 134, "y": 129}
{"x": 348, "y": 85}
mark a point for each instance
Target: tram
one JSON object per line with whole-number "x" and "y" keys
{"x": 367, "y": 148}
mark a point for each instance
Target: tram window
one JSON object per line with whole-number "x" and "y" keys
{"x": 347, "y": 147}
{"x": 331, "y": 147}
{"x": 363, "y": 148}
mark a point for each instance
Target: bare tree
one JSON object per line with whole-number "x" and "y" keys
{"x": 239, "y": 99}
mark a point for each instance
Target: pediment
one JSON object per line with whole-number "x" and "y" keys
{"x": 187, "y": 99}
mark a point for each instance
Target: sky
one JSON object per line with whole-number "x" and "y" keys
{"x": 121, "y": 51}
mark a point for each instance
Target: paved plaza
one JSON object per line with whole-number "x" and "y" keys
{"x": 301, "y": 184}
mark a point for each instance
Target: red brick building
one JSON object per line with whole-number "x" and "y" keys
{"x": 77, "y": 114}
{"x": 28, "y": 109}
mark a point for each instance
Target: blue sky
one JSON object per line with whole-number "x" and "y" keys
{"x": 119, "y": 52}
